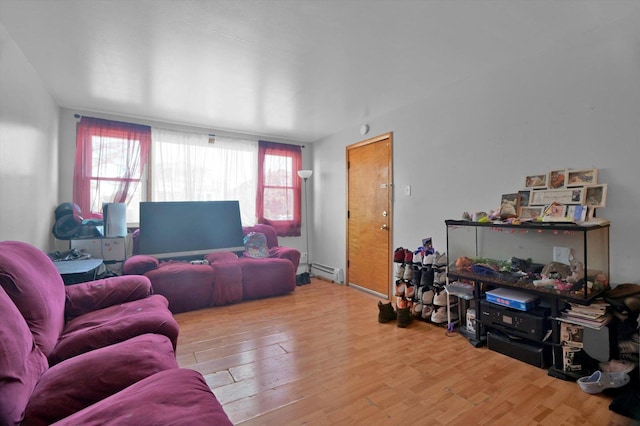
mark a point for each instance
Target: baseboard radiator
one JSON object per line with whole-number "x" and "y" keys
{"x": 328, "y": 272}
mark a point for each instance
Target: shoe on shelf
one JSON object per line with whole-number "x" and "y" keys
{"x": 426, "y": 278}
{"x": 427, "y": 296}
{"x": 400, "y": 288}
{"x": 408, "y": 273}
{"x": 417, "y": 309}
{"x": 398, "y": 255}
{"x": 439, "y": 315}
{"x": 408, "y": 256}
{"x": 410, "y": 291}
{"x": 440, "y": 298}
{"x": 400, "y": 271}
{"x": 427, "y": 310}
{"x": 386, "y": 312}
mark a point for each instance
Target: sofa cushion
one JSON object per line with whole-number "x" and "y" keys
{"x": 33, "y": 283}
{"x": 85, "y": 379}
{"x": 139, "y": 264}
{"x": 115, "y": 324}
{"x": 266, "y": 277}
{"x": 186, "y": 286}
{"x": 21, "y": 362}
{"x": 171, "y": 397}
{"x": 227, "y": 279}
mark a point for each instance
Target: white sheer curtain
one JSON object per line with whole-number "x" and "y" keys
{"x": 188, "y": 167}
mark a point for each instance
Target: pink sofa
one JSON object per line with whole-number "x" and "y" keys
{"x": 101, "y": 352}
{"x": 226, "y": 279}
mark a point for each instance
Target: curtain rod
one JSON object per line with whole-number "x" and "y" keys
{"x": 210, "y": 134}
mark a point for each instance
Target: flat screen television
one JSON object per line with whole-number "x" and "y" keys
{"x": 188, "y": 229}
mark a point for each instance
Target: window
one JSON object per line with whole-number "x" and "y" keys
{"x": 109, "y": 165}
{"x": 194, "y": 167}
{"x": 278, "y": 199}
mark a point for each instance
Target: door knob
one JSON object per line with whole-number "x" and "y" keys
{"x": 383, "y": 227}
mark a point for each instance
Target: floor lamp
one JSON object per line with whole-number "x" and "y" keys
{"x": 306, "y": 174}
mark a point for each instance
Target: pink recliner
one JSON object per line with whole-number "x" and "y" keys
{"x": 226, "y": 279}
{"x": 85, "y": 349}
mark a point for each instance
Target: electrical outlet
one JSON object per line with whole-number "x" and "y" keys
{"x": 407, "y": 190}
{"x": 303, "y": 257}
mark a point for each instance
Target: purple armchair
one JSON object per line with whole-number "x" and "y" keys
{"x": 79, "y": 350}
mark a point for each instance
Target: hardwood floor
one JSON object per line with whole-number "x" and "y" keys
{"x": 319, "y": 356}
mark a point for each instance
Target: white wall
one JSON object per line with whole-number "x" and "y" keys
{"x": 575, "y": 107}
{"x": 28, "y": 151}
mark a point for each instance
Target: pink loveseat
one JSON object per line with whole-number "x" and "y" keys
{"x": 228, "y": 278}
{"x": 101, "y": 352}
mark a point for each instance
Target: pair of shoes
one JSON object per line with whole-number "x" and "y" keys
{"x": 599, "y": 381}
{"x": 400, "y": 288}
{"x": 386, "y": 312}
{"x": 440, "y": 298}
{"x": 427, "y": 310}
{"x": 303, "y": 279}
{"x": 410, "y": 290}
{"x": 404, "y": 317}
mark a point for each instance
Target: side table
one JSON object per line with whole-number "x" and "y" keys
{"x": 78, "y": 271}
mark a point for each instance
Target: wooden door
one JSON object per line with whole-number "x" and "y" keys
{"x": 369, "y": 216}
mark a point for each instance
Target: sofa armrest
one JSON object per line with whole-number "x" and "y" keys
{"x": 288, "y": 253}
{"x": 140, "y": 264}
{"x": 93, "y": 295}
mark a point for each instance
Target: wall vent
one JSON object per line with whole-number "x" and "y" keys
{"x": 329, "y": 272}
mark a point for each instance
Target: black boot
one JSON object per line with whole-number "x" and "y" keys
{"x": 387, "y": 313}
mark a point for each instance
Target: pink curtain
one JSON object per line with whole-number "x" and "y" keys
{"x": 278, "y": 202}
{"x": 110, "y": 159}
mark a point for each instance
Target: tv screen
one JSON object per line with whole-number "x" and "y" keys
{"x": 181, "y": 229}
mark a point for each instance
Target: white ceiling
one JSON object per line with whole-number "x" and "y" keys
{"x": 298, "y": 70}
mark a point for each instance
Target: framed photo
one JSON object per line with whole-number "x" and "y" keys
{"x": 535, "y": 181}
{"x": 562, "y": 196}
{"x": 578, "y": 213}
{"x": 596, "y": 195}
{"x": 524, "y": 198}
{"x": 509, "y": 205}
{"x": 581, "y": 177}
{"x": 530, "y": 213}
{"x": 555, "y": 210}
{"x": 557, "y": 179}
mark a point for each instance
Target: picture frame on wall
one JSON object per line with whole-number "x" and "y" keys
{"x": 536, "y": 181}
{"x": 509, "y": 205}
{"x": 581, "y": 177}
{"x": 596, "y": 195}
{"x": 557, "y": 179}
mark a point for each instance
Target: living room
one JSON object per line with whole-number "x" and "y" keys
{"x": 563, "y": 94}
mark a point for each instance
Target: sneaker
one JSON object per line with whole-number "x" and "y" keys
{"x": 427, "y": 310}
{"x": 387, "y": 313}
{"x": 417, "y": 309}
{"x": 440, "y": 260}
{"x": 398, "y": 255}
{"x": 428, "y": 260}
{"x": 440, "y": 298}
{"x": 439, "y": 315}
{"x": 440, "y": 278}
{"x": 400, "y": 271}
{"x": 426, "y": 277}
{"x": 427, "y": 297}
{"x": 401, "y": 303}
{"x": 408, "y": 273}
{"x": 410, "y": 291}
{"x": 417, "y": 258}
{"x": 404, "y": 317}
{"x": 400, "y": 288}
{"x": 408, "y": 256}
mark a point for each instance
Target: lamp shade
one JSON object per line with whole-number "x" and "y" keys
{"x": 305, "y": 174}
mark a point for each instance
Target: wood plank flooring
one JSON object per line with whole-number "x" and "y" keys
{"x": 319, "y": 356}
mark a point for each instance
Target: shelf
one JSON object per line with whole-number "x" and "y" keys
{"x": 576, "y": 297}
